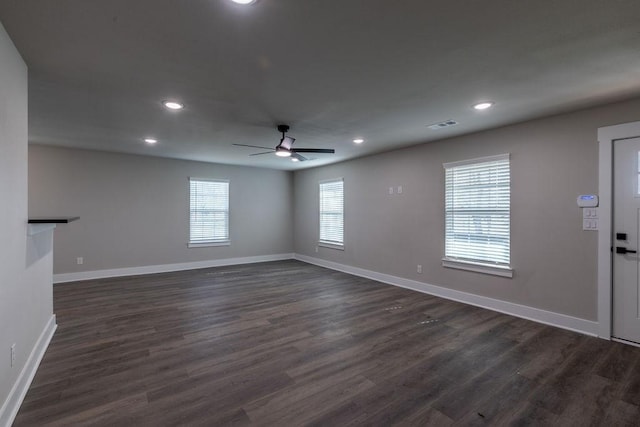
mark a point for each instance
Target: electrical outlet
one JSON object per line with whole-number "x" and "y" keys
{"x": 419, "y": 268}
{"x": 80, "y": 260}
{"x": 316, "y": 249}
{"x": 399, "y": 189}
{"x": 390, "y": 190}
{"x": 13, "y": 354}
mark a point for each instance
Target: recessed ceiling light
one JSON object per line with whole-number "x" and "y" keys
{"x": 244, "y": 1}
{"x": 150, "y": 140}
{"x": 173, "y": 105}
{"x": 358, "y": 141}
{"x": 295, "y": 159}
{"x": 483, "y": 105}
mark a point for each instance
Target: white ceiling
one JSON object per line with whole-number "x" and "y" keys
{"x": 333, "y": 70}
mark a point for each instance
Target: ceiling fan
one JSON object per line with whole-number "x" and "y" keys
{"x": 284, "y": 148}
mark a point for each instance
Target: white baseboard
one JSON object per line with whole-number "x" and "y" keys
{"x": 575, "y": 324}
{"x": 165, "y": 268}
{"x": 19, "y": 390}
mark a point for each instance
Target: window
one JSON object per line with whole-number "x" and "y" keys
{"x": 209, "y": 212}
{"x": 332, "y": 213}
{"x": 477, "y": 215}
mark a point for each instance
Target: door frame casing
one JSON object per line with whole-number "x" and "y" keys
{"x": 607, "y": 136}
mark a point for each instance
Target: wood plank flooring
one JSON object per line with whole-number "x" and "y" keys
{"x": 288, "y": 343}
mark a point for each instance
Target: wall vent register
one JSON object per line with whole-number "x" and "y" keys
{"x": 441, "y": 125}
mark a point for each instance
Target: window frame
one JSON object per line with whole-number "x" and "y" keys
{"x": 210, "y": 242}
{"x": 333, "y": 244}
{"x": 470, "y": 264}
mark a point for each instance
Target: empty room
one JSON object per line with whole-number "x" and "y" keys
{"x": 287, "y": 213}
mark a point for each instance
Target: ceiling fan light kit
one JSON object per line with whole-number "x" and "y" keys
{"x": 282, "y": 152}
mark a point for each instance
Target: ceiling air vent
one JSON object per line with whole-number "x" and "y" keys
{"x": 445, "y": 124}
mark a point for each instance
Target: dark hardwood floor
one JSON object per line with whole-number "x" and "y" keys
{"x": 287, "y": 343}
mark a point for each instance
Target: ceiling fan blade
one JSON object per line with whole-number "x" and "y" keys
{"x": 314, "y": 150}
{"x": 253, "y": 146}
{"x": 298, "y": 156}
{"x": 259, "y": 154}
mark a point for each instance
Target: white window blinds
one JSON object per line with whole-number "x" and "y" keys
{"x": 477, "y": 211}
{"x": 332, "y": 212}
{"x": 209, "y": 211}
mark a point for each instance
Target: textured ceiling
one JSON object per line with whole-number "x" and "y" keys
{"x": 332, "y": 70}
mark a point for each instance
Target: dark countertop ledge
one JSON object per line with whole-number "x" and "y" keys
{"x": 53, "y": 220}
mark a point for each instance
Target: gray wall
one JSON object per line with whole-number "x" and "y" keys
{"x": 134, "y": 210}
{"x": 25, "y": 272}
{"x": 553, "y": 160}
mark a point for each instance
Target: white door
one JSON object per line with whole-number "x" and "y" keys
{"x": 626, "y": 239}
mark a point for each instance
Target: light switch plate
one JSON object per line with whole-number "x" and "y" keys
{"x": 590, "y": 224}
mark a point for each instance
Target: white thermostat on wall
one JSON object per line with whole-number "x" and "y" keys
{"x": 588, "y": 201}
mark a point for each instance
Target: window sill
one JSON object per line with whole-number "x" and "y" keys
{"x": 478, "y": 268}
{"x": 208, "y": 244}
{"x": 331, "y": 245}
